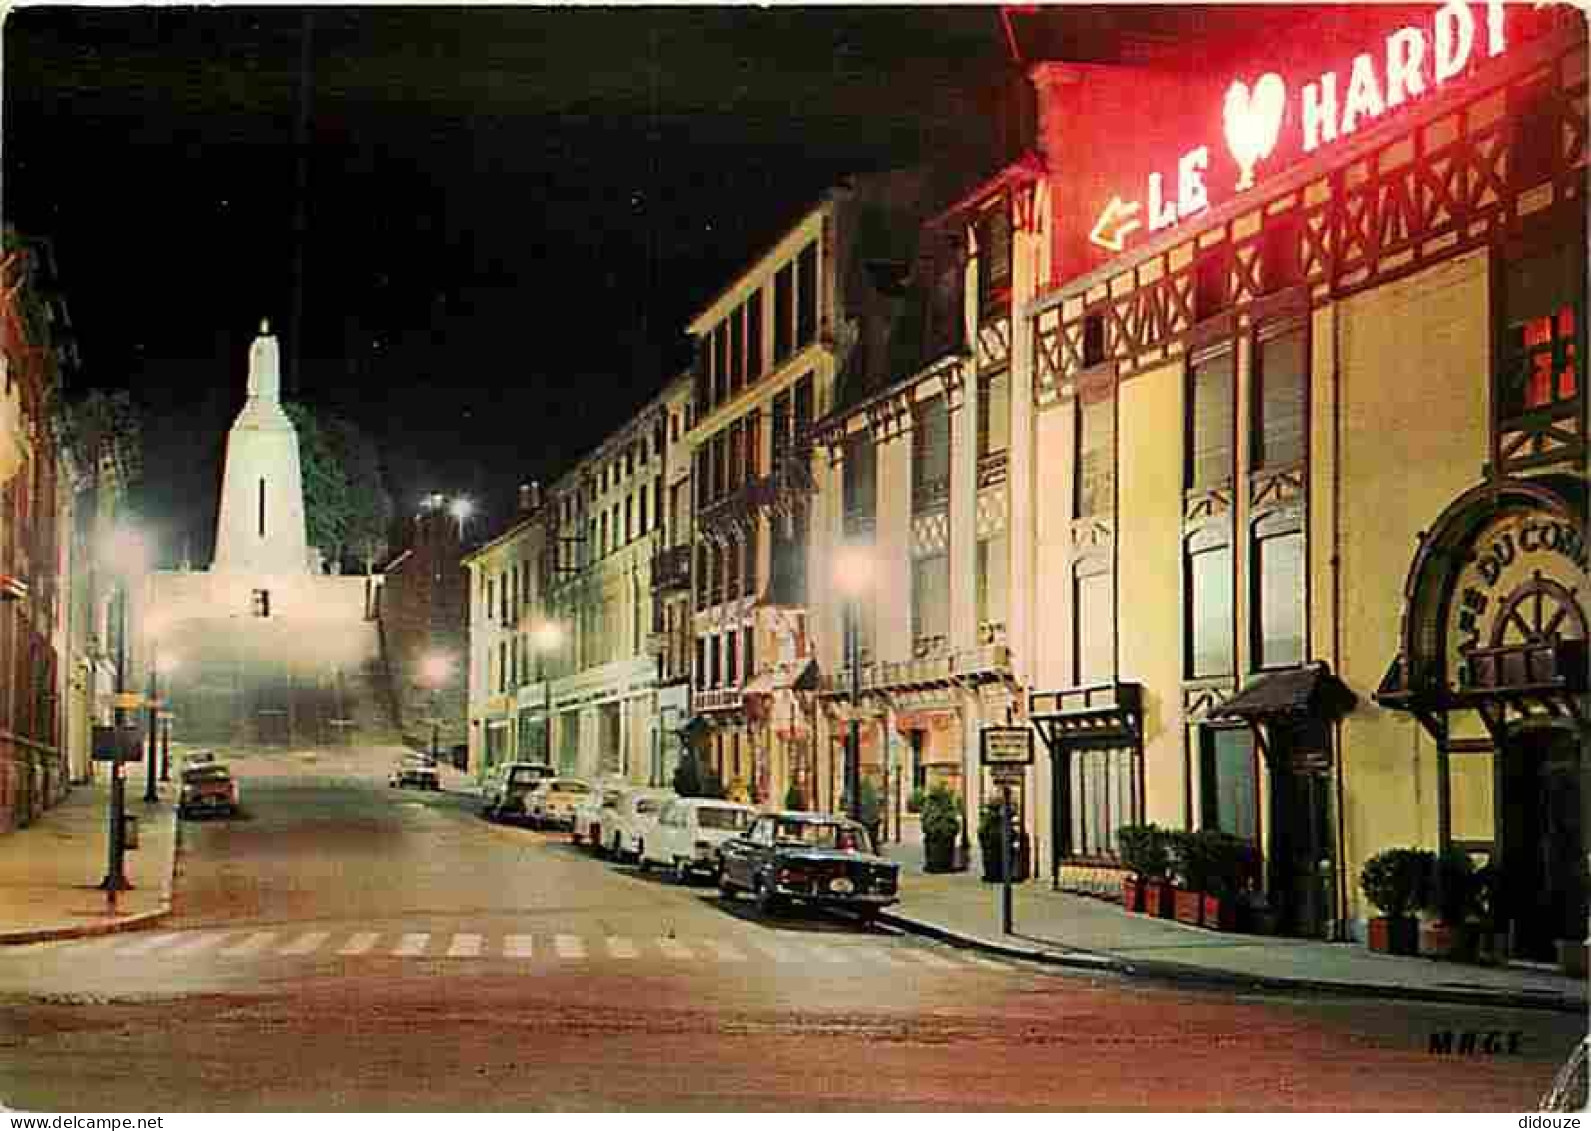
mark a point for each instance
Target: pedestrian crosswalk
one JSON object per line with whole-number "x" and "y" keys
{"x": 775, "y": 949}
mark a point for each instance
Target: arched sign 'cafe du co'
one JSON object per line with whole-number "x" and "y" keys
{"x": 1493, "y": 660}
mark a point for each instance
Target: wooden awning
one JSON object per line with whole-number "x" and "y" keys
{"x": 1309, "y": 692}
{"x": 1091, "y": 716}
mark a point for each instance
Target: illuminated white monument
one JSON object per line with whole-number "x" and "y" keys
{"x": 260, "y": 527}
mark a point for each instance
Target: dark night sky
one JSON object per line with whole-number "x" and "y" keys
{"x": 510, "y": 213}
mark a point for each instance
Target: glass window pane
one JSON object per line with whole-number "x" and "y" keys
{"x": 1281, "y": 588}
{"x": 1096, "y": 462}
{"x": 1210, "y": 602}
{"x": 1210, "y": 427}
{"x": 1075, "y": 817}
{"x": 1228, "y": 785}
{"x": 1279, "y": 400}
{"x": 1094, "y": 646}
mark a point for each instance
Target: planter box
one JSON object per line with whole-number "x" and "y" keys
{"x": 1395, "y": 936}
{"x": 1157, "y": 899}
{"x": 1189, "y": 906}
{"x": 1218, "y": 914}
{"x": 939, "y": 855}
{"x": 1456, "y": 941}
{"x": 1132, "y": 893}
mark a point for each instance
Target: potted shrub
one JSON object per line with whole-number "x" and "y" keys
{"x": 914, "y": 801}
{"x": 1395, "y": 881}
{"x": 1188, "y": 870}
{"x": 1211, "y": 864}
{"x": 1146, "y": 854}
{"x": 1452, "y": 895}
{"x": 941, "y": 814}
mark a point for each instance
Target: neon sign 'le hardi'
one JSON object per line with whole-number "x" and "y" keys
{"x": 1415, "y": 60}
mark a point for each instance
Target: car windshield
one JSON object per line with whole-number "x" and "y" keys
{"x": 524, "y": 775}
{"x": 822, "y": 834}
{"x": 718, "y": 817}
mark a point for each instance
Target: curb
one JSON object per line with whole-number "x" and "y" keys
{"x": 130, "y": 923}
{"x": 1101, "y": 962}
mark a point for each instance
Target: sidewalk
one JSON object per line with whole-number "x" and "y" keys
{"x": 1094, "y": 934}
{"x": 50, "y": 870}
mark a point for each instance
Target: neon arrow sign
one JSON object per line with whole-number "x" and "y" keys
{"x": 1415, "y": 61}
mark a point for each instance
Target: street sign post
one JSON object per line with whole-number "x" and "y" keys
{"x": 1007, "y": 752}
{"x": 117, "y": 744}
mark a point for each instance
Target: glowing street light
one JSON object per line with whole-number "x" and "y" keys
{"x": 546, "y": 637}
{"x": 436, "y": 668}
{"x": 461, "y": 509}
{"x": 122, "y": 553}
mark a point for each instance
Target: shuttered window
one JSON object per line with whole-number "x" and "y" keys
{"x": 1281, "y": 381}
{"x": 931, "y": 599}
{"x": 1279, "y": 583}
{"x": 1209, "y": 582}
{"x": 993, "y": 574}
{"x": 1096, "y": 457}
{"x": 994, "y": 413}
{"x": 931, "y": 455}
{"x": 807, "y": 295}
{"x": 1210, "y": 422}
{"x": 860, "y": 491}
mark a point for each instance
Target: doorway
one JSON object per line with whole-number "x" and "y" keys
{"x": 1302, "y": 858}
{"x": 1542, "y": 839}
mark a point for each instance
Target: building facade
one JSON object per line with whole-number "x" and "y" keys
{"x": 1305, "y": 557}
{"x": 672, "y": 636}
{"x": 423, "y": 612}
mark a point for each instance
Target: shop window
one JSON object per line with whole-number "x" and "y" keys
{"x": 1102, "y": 799}
{"x": 1096, "y": 456}
{"x": 1093, "y": 625}
{"x": 807, "y": 295}
{"x": 1543, "y": 311}
{"x": 1228, "y": 787}
{"x": 994, "y": 414}
{"x": 931, "y": 455}
{"x": 1208, "y": 581}
{"x": 1209, "y": 422}
{"x": 783, "y": 313}
{"x": 1279, "y": 598}
{"x": 930, "y": 602}
{"x": 1281, "y": 392}
{"x": 754, "y": 358}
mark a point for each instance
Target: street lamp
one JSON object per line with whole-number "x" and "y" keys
{"x": 461, "y": 509}
{"x": 163, "y": 665}
{"x": 436, "y": 670}
{"x": 122, "y": 553}
{"x": 853, "y": 575}
{"x": 546, "y": 638}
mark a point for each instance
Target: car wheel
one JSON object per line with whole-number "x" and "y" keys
{"x": 726, "y": 887}
{"x": 641, "y": 862}
{"x": 682, "y": 871}
{"x": 767, "y": 901}
{"x": 617, "y": 849}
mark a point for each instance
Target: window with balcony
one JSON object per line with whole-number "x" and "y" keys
{"x": 802, "y": 407}
{"x": 754, "y": 356}
{"x": 783, "y": 313}
{"x": 931, "y": 455}
{"x": 993, "y": 575}
{"x": 860, "y": 492}
{"x": 1280, "y": 397}
{"x": 930, "y": 604}
{"x": 1209, "y": 421}
{"x": 1543, "y": 308}
{"x": 1096, "y": 456}
{"x": 807, "y": 295}
{"x": 1228, "y": 782}
{"x": 737, "y": 351}
{"x": 731, "y": 659}
{"x": 715, "y": 672}
{"x": 737, "y": 456}
{"x": 994, "y": 257}
{"x": 780, "y": 423}
{"x": 629, "y": 519}
{"x": 994, "y": 414}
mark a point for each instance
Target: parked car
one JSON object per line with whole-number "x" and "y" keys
{"x": 552, "y": 803}
{"x": 416, "y": 770}
{"x": 813, "y": 858}
{"x": 688, "y": 833}
{"x": 503, "y": 795}
{"x": 207, "y": 788}
{"x": 632, "y": 820}
{"x": 587, "y": 821}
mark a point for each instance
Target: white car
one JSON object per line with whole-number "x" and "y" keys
{"x": 552, "y": 803}
{"x": 689, "y": 832}
{"x": 590, "y": 811}
{"x": 632, "y": 820}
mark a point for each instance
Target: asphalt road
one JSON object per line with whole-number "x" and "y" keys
{"x": 346, "y": 946}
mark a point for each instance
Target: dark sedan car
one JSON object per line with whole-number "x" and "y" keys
{"x": 813, "y": 858}
{"x": 207, "y": 788}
